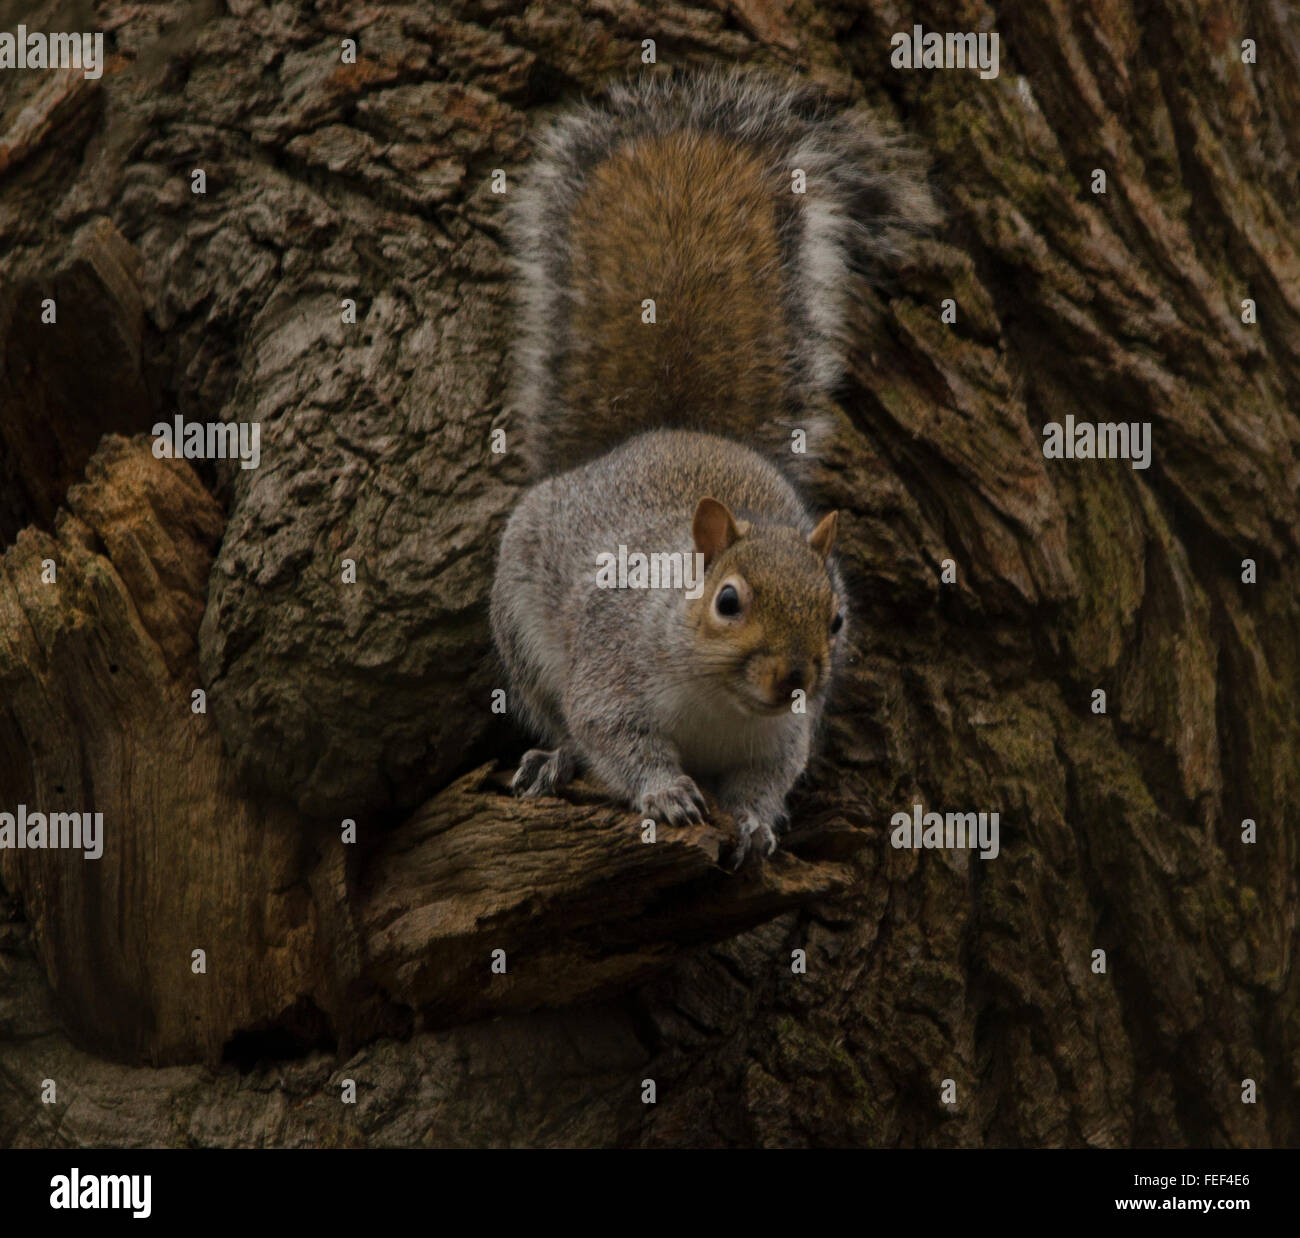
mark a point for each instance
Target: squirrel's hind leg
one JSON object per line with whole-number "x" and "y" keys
{"x": 544, "y": 773}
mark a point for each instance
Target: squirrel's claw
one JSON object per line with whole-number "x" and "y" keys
{"x": 756, "y": 835}
{"x": 678, "y": 802}
{"x": 541, "y": 772}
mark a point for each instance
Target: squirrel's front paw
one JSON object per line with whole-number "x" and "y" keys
{"x": 756, "y": 835}
{"x": 541, "y": 772}
{"x": 676, "y": 802}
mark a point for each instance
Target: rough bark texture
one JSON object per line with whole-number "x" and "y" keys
{"x": 370, "y": 702}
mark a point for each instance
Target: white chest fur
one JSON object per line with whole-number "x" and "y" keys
{"x": 714, "y": 734}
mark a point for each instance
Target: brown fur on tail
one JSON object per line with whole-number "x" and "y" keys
{"x": 682, "y": 193}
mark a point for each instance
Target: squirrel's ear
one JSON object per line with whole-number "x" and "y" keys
{"x": 713, "y": 529}
{"x": 822, "y": 538}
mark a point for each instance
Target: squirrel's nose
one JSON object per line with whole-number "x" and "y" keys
{"x": 791, "y": 682}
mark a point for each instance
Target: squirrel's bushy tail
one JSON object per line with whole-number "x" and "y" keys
{"x": 687, "y": 251}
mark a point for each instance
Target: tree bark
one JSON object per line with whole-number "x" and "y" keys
{"x": 329, "y": 703}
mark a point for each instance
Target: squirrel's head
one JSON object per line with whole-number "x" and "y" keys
{"x": 768, "y": 619}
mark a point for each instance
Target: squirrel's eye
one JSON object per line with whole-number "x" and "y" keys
{"x": 727, "y": 601}
{"x": 837, "y": 623}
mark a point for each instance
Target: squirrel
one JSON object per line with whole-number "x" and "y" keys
{"x": 687, "y": 255}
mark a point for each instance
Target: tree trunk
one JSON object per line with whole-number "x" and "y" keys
{"x": 996, "y": 592}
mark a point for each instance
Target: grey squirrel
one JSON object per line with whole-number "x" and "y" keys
{"x": 687, "y": 253}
